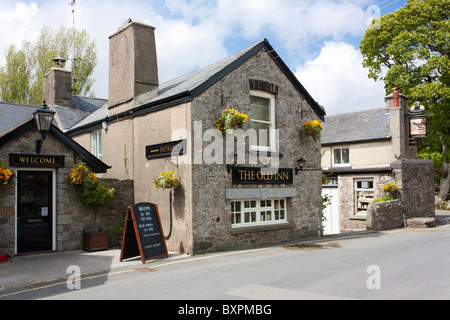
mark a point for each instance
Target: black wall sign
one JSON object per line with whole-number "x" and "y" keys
{"x": 35, "y": 161}
{"x": 166, "y": 149}
{"x": 142, "y": 234}
{"x": 250, "y": 175}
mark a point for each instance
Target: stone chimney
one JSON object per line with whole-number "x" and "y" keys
{"x": 396, "y": 100}
{"x": 397, "y": 107}
{"x": 57, "y": 88}
{"x": 133, "y": 67}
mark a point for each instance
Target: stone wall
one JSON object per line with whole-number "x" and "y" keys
{"x": 386, "y": 215}
{"x": 415, "y": 179}
{"x": 7, "y": 219}
{"x": 212, "y": 228}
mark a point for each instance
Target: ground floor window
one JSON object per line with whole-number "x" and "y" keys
{"x": 257, "y": 212}
{"x": 364, "y": 195}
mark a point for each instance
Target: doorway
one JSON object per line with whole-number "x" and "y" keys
{"x": 34, "y": 211}
{"x": 331, "y": 212}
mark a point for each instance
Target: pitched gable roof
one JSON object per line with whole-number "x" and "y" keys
{"x": 80, "y": 109}
{"x": 360, "y": 126}
{"x": 12, "y": 114}
{"x": 194, "y": 84}
{"x": 16, "y": 128}
{"x": 189, "y": 86}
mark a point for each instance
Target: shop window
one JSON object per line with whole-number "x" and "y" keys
{"x": 262, "y": 121}
{"x": 257, "y": 212}
{"x": 341, "y": 156}
{"x": 96, "y": 143}
{"x": 364, "y": 195}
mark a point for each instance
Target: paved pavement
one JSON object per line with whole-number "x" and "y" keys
{"x": 43, "y": 268}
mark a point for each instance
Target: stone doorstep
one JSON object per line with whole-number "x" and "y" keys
{"x": 421, "y": 223}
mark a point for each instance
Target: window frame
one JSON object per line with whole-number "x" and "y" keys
{"x": 259, "y": 210}
{"x": 363, "y": 196}
{"x": 271, "y": 123}
{"x": 96, "y": 144}
{"x": 347, "y": 164}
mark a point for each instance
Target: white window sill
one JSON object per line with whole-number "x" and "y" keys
{"x": 262, "y": 227}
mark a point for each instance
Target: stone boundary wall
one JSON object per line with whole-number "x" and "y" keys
{"x": 109, "y": 217}
{"x": 415, "y": 179}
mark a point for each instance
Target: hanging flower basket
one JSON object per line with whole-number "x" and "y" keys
{"x": 230, "y": 119}
{"x": 166, "y": 180}
{"x": 313, "y": 128}
{"x": 7, "y": 176}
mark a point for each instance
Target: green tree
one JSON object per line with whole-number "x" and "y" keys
{"x": 15, "y": 77}
{"x": 21, "y": 78}
{"x": 410, "y": 49}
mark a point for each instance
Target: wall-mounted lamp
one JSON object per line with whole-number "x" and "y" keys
{"x": 231, "y": 166}
{"x": 44, "y": 117}
{"x": 300, "y": 164}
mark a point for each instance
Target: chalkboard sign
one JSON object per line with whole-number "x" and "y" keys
{"x": 142, "y": 234}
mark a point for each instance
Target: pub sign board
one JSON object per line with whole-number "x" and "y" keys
{"x": 143, "y": 235}
{"x": 35, "y": 161}
{"x": 252, "y": 175}
{"x": 163, "y": 150}
{"x": 418, "y": 126}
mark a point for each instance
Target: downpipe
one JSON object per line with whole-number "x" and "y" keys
{"x": 170, "y": 205}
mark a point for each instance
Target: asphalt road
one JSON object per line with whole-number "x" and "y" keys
{"x": 405, "y": 264}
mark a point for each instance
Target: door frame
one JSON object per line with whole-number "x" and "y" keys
{"x": 53, "y": 171}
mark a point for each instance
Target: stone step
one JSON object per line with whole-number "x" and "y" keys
{"x": 421, "y": 223}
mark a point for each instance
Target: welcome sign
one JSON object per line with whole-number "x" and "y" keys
{"x": 36, "y": 161}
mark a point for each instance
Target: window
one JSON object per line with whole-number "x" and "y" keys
{"x": 341, "y": 156}
{"x": 262, "y": 120}
{"x": 364, "y": 195}
{"x": 96, "y": 143}
{"x": 257, "y": 212}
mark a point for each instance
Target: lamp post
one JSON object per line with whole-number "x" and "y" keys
{"x": 44, "y": 117}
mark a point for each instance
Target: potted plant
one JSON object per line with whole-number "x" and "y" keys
{"x": 167, "y": 180}
{"x": 230, "y": 119}
{"x": 95, "y": 194}
{"x": 6, "y": 176}
{"x": 313, "y": 128}
{"x": 392, "y": 191}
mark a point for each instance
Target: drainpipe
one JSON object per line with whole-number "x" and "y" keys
{"x": 170, "y": 204}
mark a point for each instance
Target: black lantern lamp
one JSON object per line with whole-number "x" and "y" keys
{"x": 44, "y": 118}
{"x": 300, "y": 164}
{"x": 231, "y": 166}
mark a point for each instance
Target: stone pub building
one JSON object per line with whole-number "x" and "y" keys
{"x": 237, "y": 190}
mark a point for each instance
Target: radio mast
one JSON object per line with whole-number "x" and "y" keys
{"x": 74, "y": 59}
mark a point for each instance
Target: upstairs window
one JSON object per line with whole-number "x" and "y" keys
{"x": 262, "y": 121}
{"x": 96, "y": 143}
{"x": 341, "y": 156}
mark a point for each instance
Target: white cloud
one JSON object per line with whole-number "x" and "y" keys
{"x": 196, "y": 33}
{"x": 337, "y": 80}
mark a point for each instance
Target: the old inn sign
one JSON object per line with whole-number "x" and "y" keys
{"x": 251, "y": 175}
{"x": 35, "y": 161}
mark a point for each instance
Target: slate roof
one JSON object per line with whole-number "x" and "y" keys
{"x": 195, "y": 83}
{"x": 80, "y": 109}
{"x": 360, "y": 126}
{"x": 189, "y": 86}
{"x": 13, "y": 131}
{"x": 12, "y": 114}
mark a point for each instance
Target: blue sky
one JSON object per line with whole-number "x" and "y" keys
{"x": 317, "y": 39}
